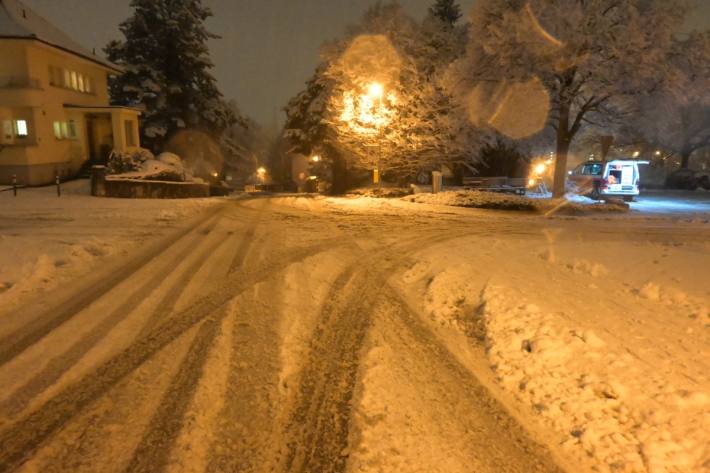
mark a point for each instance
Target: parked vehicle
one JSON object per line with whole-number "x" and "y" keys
{"x": 688, "y": 179}
{"x": 598, "y": 180}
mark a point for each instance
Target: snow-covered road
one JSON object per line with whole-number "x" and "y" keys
{"x": 362, "y": 335}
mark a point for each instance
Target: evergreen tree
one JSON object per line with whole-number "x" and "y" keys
{"x": 168, "y": 69}
{"x": 448, "y": 11}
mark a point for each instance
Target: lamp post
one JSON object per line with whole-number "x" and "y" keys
{"x": 376, "y": 91}
{"x": 368, "y": 113}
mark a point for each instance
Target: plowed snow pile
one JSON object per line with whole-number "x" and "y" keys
{"x": 615, "y": 362}
{"x": 500, "y": 201}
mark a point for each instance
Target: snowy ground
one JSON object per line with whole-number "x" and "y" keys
{"x": 46, "y": 241}
{"x": 670, "y": 202}
{"x": 356, "y": 334}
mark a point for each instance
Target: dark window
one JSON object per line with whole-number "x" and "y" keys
{"x": 592, "y": 169}
{"x": 130, "y": 135}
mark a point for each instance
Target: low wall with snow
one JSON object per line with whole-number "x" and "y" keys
{"x": 103, "y": 186}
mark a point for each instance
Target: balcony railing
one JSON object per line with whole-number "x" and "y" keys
{"x": 13, "y": 82}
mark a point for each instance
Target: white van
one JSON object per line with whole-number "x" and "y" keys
{"x": 597, "y": 179}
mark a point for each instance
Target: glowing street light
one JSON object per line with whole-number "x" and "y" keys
{"x": 315, "y": 158}
{"x": 637, "y": 154}
{"x": 369, "y": 114}
{"x": 376, "y": 90}
{"x": 540, "y": 169}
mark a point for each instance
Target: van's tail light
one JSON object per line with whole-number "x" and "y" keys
{"x": 604, "y": 184}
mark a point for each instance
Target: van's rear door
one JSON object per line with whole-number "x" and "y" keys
{"x": 621, "y": 177}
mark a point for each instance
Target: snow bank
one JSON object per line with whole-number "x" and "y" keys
{"x": 611, "y": 406}
{"x": 383, "y": 192}
{"x": 500, "y": 201}
{"x": 614, "y": 363}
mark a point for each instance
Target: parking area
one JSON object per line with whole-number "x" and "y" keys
{"x": 672, "y": 202}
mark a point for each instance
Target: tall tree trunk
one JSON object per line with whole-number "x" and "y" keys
{"x": 340, "y": 173}
{"x": 685, "y": 158}
{"x": 563, "y": 143}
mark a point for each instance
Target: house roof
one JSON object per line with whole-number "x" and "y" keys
{"x": 17, "y": 21}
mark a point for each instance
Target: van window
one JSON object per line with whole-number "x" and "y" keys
{"x": 593, "y": 169}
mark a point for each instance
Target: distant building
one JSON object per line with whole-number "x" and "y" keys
{"x": 54, "y": 105}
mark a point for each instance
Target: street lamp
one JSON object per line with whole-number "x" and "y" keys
{"x": 369, "y": 113}
{"x": 261, "y": 174}
{"x": 376, "y": 90}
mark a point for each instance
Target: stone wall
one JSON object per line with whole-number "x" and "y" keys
{"x": 101, "y": 186}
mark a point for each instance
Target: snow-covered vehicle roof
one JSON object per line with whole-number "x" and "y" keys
{"x": 17, "y": 21}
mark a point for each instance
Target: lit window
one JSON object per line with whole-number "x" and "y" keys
{"x": 88, "y": 85}
{"x": 65, "y": 130}
{"x": 67, "y": 78}
{"x": 21, "y": 128}
{"x": 74, "y": 81}
{"x": 58, "y": 130}
{"x": 81, "y": 82}
{"x": 72, "y": 129}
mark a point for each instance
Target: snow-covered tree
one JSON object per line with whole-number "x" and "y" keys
{"x": 411, "y": 123}
{"x": 422, "y": 130}
{"x": 447, "y": 11}
{"x": 245, "y": 144}
{"x": 168, "y": 69}
{"x": 588, "y": 56}
{"x": 676, "y": 117}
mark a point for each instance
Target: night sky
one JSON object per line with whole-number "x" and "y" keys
{"x": 268, "y": 49}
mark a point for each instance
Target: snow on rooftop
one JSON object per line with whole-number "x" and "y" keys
{"x": 19, "y": 21}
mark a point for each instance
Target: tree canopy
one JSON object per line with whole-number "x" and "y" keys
{"x": 167, "y": 66}
{"x": 590, "y": 57}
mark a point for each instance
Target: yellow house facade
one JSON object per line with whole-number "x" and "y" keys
{"x": 55, "y": 115}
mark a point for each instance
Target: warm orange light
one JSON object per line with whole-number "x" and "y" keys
{"x": 261, "y": 171}
{"x": 376, "y": 90}
{"x": 368, "y": 112}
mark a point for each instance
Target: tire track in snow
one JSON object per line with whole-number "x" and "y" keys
{"x": 19, "y": 341}
{"x": 62, "y": 363}
{"x": 243, "y": 442}
{"x": 21, "y": 439}
{"x": 153, "y": 452}
{"x": 318, "y": 431}
{"x": 167, "y": 304}
{"x": 487, "y": 425}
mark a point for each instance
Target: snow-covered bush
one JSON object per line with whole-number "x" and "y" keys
{"x": 119, "y": 163}
{"x": 143, "y": 165}
{"x": 173, "y": 160}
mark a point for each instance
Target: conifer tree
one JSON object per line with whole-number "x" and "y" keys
{"x": 167, "y": 67}
{"x": 448, "y": 11}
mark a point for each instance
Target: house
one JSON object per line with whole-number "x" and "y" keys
{"x": 54, "y": 105}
